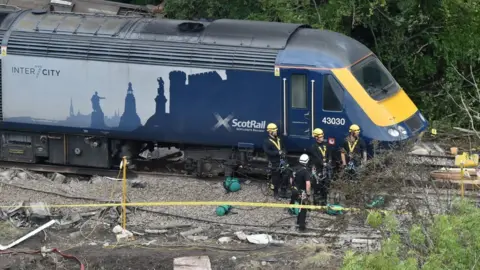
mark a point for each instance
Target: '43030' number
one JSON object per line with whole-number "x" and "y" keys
{"x": 333, "y": 121}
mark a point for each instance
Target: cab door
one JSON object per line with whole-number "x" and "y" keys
{"x": 298, "y": 109}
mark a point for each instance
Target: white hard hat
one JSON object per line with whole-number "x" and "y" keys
{"x": 304, "y": 159}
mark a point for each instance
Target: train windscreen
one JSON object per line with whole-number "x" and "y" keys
{"x": 375, "y": 78}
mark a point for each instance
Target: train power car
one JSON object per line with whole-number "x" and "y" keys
{"x": 83, "y": 90}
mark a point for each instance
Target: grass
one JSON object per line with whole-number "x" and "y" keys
{"x": 316, "y": 256}
{"x": 8, "y": 232}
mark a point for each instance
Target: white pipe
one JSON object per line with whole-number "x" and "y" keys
{"x": 30, "y": 234}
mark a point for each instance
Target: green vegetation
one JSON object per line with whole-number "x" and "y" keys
{"x": 449, "y": 241}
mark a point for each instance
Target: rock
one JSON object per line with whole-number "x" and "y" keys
{"x": 197, "y": 237}
{"x": 190, "y": 263}
{"x": 191, "y": 232}
{"x": 74, "y": 235}
{"x": 138, "y": 184}
{"x": 420, "y": 151}
{"x": 8, "y": 174}
{"x": 22, "y": 175}
{"x": 241, "y": 235}
{"x": 121, "y": 234}
{"x": 96, "y": 180}
{"x": 117, "y": 229}
{"x": 39, "y": 211}
{"x": 68, "y": 220}
{"x": 59, "y": 178}
{"x": 124, "y": 236}
{"x": 224, "y": 240}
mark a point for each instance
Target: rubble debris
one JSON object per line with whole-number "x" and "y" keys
{"x": 194, "y": 262}
{"x": 59, "y": 178}
{"x": 69, "y": 220}
{"x": 241, "y": 235}
{"x": 155, "y": 231}
{"x": 96, "y": 180}
{"x": 75, "y": 235}
{"x": 38, "y": 211}
{"x": 16, "y": 208}
{"x": 224, "y": 240}
{"x": 88, "y": 214}
{"x": 148, "y": 243}
{"x": 262, "y": 239}
{"x": 7, "y": 174}
{"x": 117, "y": 229}
{"x": 121, "y": 234}
{"x": 426, "y": 149}
{"x": 22, "y": 176}
{"x": 3, "y": 215}
{"x": 193, "y": 231}
{"x": 138, "y": 184}
{"x": 111, "y": 215}
{"x": 138, "y": 233}
{"x": 197, "y": 237}
{"x": 170, "y": 226}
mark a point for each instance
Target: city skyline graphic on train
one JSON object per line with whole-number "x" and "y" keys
{"x": 104, "y": 104}
{"x": 127, "y": 119}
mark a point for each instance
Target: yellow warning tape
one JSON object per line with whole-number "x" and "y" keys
{"x": 214, "y": 203}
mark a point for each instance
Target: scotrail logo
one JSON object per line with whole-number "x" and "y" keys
{"x": 239, "y": 125}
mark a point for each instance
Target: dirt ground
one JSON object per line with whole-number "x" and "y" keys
{"x": 91, "y": 239}
{"x": 178, "y": 231}
{"x": 100, "y": 251}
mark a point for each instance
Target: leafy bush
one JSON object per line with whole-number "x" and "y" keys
{"x": 448, "y": 241}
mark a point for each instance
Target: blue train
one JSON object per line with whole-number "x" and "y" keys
{"x": 84, "y": 90}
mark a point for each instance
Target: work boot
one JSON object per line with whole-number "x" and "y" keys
{"x": 275, "y": 196}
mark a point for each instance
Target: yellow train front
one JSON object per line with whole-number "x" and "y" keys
{"x": 332, "y": 81}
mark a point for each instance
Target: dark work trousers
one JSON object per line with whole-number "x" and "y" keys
{"x": 302, "y": 216}
{"x": 321, "y": 191}
{"x": 279, "y": 181}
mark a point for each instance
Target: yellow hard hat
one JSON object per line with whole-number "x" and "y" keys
{"x": 271, "y": 127}
{"x": 354, "y": 128}
{"x": 317, "y": 132}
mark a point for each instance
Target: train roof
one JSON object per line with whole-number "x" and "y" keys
{"x": 224, "y": 43}
{"x": 79, "y": 6}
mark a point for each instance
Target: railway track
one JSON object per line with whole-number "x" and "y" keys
{"x": 154, "y": 167}
{"x": 164, "y": 168}
{"x": 87, "y": 171}
{"x": 431, "y": 160}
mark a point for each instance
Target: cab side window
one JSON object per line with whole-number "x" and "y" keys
{"x": 332, "y": 94}
{"x": 299, "y": 91}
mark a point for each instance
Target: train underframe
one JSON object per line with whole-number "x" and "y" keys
{"x": 106, "y": 153}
